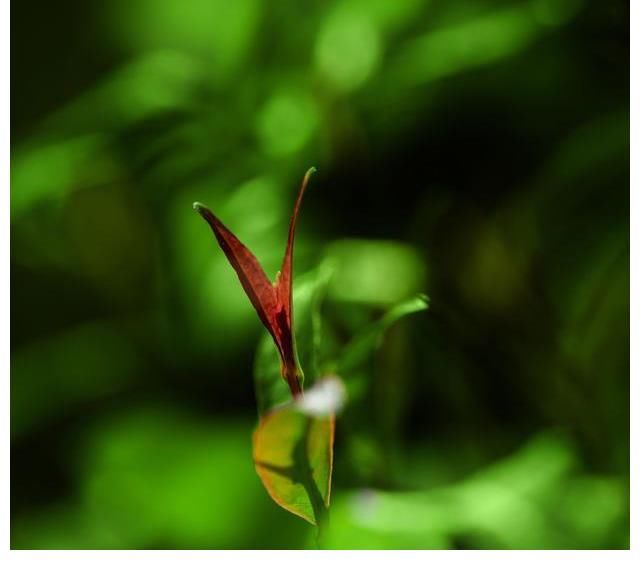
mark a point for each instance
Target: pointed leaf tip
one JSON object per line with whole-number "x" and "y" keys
{"x": 308, "y": 175}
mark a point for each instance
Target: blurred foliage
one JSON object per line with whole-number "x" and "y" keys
{"x": 478, "y": 151}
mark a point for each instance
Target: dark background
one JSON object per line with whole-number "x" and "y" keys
{"x": 475, "y": 151}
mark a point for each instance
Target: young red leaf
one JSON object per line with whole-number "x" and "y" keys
{"x": 252, "y": 277}
{"x": 272, "y": 302}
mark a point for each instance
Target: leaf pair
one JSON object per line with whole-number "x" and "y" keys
{"x": 272, "y": 301}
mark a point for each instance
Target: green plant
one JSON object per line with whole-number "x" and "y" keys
{"x": 292, "y": 450}
{"x": 293, "y": 442}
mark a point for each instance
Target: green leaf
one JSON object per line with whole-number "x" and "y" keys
{"x": 293, "y": 455}
{"x": 317, "y": 346}
{"x": 364, "y": 344}
{"x": 271, "y": 389}
{"x": 376, "y": 273}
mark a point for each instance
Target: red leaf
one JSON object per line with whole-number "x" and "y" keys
{"x": 272, "y": 302}
{"x": 252, "y": 277}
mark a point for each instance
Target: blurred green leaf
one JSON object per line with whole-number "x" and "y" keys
{"x": 157, "y": 475}
{"x": 374, "y": 272}
{"x": 364, "y": 344}
{"x": 518, "y": 502}
{"x": 456, "y": 48}
{"x": 286, "y": 122}
{"x": 555, "y": 12}
{"x": 48, "y": 172}
{"x": 348, "y": 46}
{"x": 388, "y": 15}
{"x": 54, "y": 375}
{"x": 217, "y": 31}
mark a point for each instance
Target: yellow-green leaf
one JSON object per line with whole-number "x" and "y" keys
{"x": 293, "y": 454}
